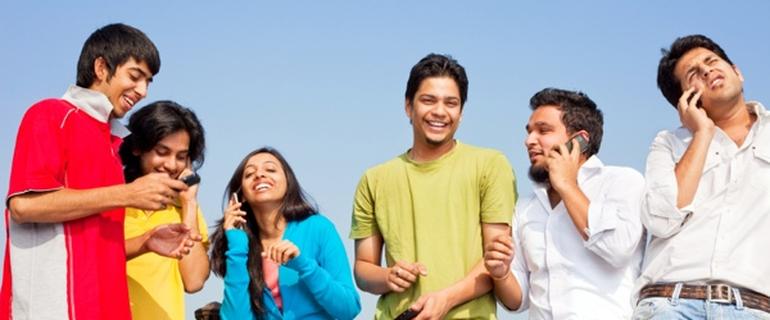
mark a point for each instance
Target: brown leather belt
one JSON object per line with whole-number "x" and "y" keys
{"x": 718, "y": 292}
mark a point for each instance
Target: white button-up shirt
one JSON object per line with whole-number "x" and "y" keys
{"x": 563, "y": 277}
{"x": 723, "y": 234}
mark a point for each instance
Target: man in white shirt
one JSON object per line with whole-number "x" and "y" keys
{"x": 706, "y": 203}
{"x": 577, "y": 239}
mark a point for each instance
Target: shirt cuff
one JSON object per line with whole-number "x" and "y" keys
{"x": 600, "y": 219}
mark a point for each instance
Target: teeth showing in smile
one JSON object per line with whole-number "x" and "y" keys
{"x": 437, "y": 124}
{"x": 716, "y": 82}
{"x": 130, "y": 102}
{"x": 263, "y": 186}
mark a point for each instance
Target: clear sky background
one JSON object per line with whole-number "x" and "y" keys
{"x": 323, "y": 81}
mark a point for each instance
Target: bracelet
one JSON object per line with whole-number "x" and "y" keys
{"x": 507, "y": 274}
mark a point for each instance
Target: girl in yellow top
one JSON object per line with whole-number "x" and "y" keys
{"x": 165, "y": 248}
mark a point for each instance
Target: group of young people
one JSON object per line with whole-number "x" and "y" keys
{"x": 103, "y": 222}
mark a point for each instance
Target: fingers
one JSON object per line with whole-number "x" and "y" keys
{"x": 685, "y": 100}
{"x": 403, "y": 274}
{"x": 281, "y": 252}
{"x": 419, "y": 304}
{"x": 233, "y": 216}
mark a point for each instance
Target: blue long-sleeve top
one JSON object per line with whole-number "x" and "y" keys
{"x": 317, "y": 284}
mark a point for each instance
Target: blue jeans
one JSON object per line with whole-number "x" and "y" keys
{"x": 676, "y": 308}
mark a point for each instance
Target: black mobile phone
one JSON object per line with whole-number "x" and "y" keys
{"x": 407, "y": 315}
{"x": 192, "y": 179}
{"x": 581, "y": 141}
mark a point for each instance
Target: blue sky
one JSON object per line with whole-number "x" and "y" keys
{"x": 323, "y": 81}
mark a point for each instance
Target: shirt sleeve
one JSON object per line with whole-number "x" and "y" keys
{"x": 39, "y": 154}
{"x": 498, "y": 191}
{"x": 519, "y": 268}
{"x": 328, "y": 278}
{"x": 236, "y": 304}
{"x": 614, "y": 226}
{"x": 363, "y": 223}
{"x": 660, "y": 214}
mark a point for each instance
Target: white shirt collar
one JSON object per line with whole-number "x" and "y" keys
{"x": 96, "y": 105}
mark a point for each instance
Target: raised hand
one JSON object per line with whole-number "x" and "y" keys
{"x": 234, "y": 216}
{"x": 563, "y": 165}
{"x": 192, "y": 191}
{"x": 693, "y": 117}
{"x": 403, "y": 274}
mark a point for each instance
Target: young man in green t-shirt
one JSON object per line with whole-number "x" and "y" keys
{"x": 432, "y": 208}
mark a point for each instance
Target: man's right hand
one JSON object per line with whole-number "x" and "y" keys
{"x": 693, "y": 117}
{"x": 154, "y": 191}
{"x": 403, "y": 274}
{"x": 498, "y": 256}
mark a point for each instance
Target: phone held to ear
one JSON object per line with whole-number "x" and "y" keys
{"x": 191, "y": 179}
{"x": 581, "y": 141}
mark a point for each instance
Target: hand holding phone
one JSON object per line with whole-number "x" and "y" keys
{"x": 582, "y": 142}
{"x": 691, "y": 112}
{"x": 191, "y": 179}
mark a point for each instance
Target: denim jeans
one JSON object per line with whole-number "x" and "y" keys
{"x": 677, "y": 308}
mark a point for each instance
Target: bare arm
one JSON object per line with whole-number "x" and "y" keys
{"x": 577, "y": 204}
{"x": 690, "y": 167}
{"x": 194, "y": 267}
{"x": 563, "y": 167}
{"x": 497, "y": 259}
{"x": 437, "y": 304}
{"x": 150, "y": 192}
{"x": 369, "y": 275}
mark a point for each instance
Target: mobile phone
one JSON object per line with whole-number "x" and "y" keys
{"x": 698, "y": 103}
{"x": 581, "y": 141}
{"x": 192, "y": 179}
{"x": 406, "y": 315}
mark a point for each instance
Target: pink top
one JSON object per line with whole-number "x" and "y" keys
{"x": 270, "y": 270}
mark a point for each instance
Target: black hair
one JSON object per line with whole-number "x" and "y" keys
{"x": 116, "y": 43}
{"x": 437, "y": 65}
{"x": 296, "y": 206}
{"x": 578, "y": 112}
{"x": 668, "y": 83}
{"x": 152, "y": 123}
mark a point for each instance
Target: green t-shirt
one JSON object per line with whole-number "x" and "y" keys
{"x": 431, "y": 213}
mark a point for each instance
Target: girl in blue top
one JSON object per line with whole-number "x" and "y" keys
{"x": 279, "y": 258}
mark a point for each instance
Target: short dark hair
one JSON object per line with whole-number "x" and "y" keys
{"x": 116, "y": 43}
{"x": 437, "y": 65}
{"x": 667, "y": 82}
{"x": 296, "y": 206}
{"x": 152, "y": 123}
{"x": 578, "y": 112}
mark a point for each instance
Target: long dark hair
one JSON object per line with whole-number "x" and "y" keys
{"x": 296, "y": 206}
{"x": 152, "y": 123}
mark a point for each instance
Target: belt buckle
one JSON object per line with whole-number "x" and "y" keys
{"x": 719, "y": 299}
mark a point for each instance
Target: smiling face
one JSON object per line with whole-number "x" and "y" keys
{"x": 264, "y": 180}
{"x": 125, "y": 87}
{"x": 719, "y": 81}
{"x": 170, "y": 155}
{"x": 545, "y": 131}
{"x": 435, "y": 112}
